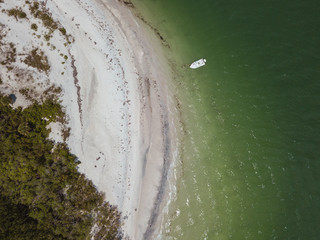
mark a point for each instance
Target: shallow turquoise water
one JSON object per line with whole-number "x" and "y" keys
{"x": 251, "y": 158}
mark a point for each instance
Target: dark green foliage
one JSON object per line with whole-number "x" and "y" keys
{"x": 42, "y": 195}
{"x": 108, "y": 222}
{"x": 15, "y": 222}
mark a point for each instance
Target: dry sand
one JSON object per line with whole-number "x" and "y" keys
{"x": 121, "y": 129}
{"x": 115, "y": 93}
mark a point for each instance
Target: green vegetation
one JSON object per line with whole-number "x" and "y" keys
{"x": 42, "y": 195}
{"x": 26, "y": 92}
{"x": 38, "y": 60}
{"x": 17, "y": 13}
{"x": 47, "y": 38}
{"x": 63, "y": 31}
{"x": 34, "y": 7}
{"x": 48, "y": 21}
{"x": 34, "y": 26}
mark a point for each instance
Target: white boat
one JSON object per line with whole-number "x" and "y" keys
{"x": 201, "y": 62}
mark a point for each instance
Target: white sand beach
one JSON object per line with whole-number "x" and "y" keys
{"x": 119, "y": 120}
{"x": 114, "y": 91}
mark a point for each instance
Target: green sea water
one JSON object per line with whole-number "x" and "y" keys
{"x": 251, "y": 150}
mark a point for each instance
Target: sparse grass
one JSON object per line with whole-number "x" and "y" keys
{"x": 47, "y": 20}
{"x": 24, "y": 91}
{"x": 47, "y": 37}
{"x": 66, "y": 134}
{"x": 17, "y": 13}
{"x": 38, "y": 60}
{"x": 52, "y": 89}
{"x": 2, "y": 33}
{"x": 10, "y": 54}
{"x": 51, "y": 93}
{"x": 27, "y": 93}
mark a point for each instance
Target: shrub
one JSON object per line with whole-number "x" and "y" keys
{"x": 34, "y": 26}
{"x": 10, "y": 54}
{"x": 63, "y": 31}
{"x": 17, "y": 13}
{"x": 34, "y": 7}
{"x": 47, "y": 20}
{"x": 38, "y": 60}
{"x": 47, "y": 37}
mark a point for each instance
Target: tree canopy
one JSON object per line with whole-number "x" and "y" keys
{"x": 42, "y": 195}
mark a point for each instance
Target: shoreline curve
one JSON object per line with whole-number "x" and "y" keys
{"x": 121, "y": 124}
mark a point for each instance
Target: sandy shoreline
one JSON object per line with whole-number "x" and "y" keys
{"x": 114, "y": 80}
{"x": 120, "y": 126}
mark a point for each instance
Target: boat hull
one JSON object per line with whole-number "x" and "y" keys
{"x": 201, "y": 62}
